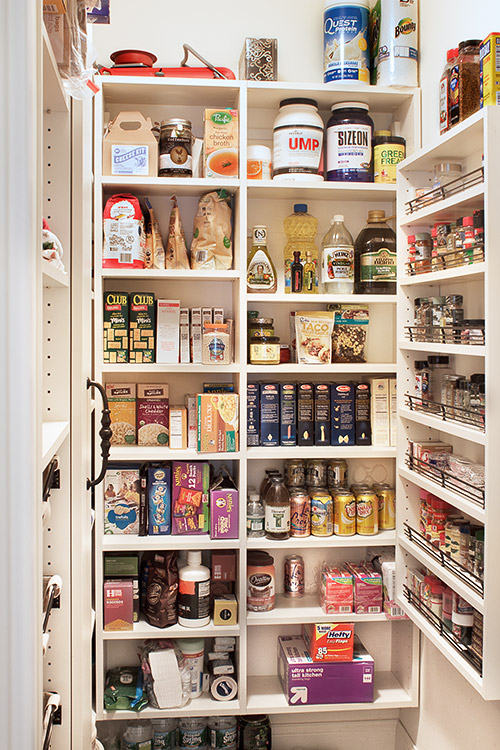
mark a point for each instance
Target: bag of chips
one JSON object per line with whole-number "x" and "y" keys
{"x": 350, "y": 333}
{"x": 124, "y": 690}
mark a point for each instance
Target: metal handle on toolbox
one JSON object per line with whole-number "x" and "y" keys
{"x": 187, "y": 49}
{"x": 104, "y": 433}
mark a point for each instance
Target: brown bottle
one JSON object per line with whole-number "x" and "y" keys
{"x": 277, "y": 509}
{"x": 375, "y": 257}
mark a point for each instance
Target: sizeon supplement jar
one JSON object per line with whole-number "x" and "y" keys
{"x": 349, "y": 136}
{"x": 346, "y": 41}
{"x": 297, "y": 140}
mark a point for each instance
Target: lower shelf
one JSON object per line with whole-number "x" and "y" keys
{"x": 53, "y": 436}
{"x": 297, "y": 611}
{"x": 143, "y": 629}
{"x": 202, "y": 706}
{"x": 383, "y": 538}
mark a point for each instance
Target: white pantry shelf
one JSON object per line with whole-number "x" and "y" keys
{"x": 52, "y": 276}
{"x": 170, "y": 369}
{"x": 461, "y": 503}
{"x": 53, "y": 436}
{"x": 448, "y": 426}
{"x": 304, "y": 300}
{"x": 55, "y": 97}
{"x": 138, "y": 274}
{"x": 447, "y": 209}
{"x": 340, "y": 191}
{"x": 205, "y": 705}
{"x": 335, "y": 369}
{"x": 315, "y": 451}
{"x": 132, "y": 542}
{"x": 143, "y": 630}
{"x": 139, "y": 453}
{"x": 382, "y": 539}
{"x": 424, "y": 346}
{"x": 307, "y": 609}
{"x": 167, "y": 185}
{"x": 471, "y": 272}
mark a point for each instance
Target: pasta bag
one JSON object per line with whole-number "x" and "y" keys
{"x": 212, "y": 246}
{"x": 176, "y": 256}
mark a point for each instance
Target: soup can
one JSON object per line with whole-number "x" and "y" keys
{"x": 295, "y": 473}
{"x": 321, "y": 513}
{"x": 293, "y": 583}
{"x": 300, "y": 512}
{"x": 367, "y": 513}
{"x": 315, "y": 473}
{"x": 344, "y": 513}
{"x": 336, "y": 473}
{"x": 386, "y": 507}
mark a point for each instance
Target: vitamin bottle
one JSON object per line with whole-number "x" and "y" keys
{"x": 301, "y": 229}
{"x": 193, "y": 601}
{"x": 337, "y": 253}
{"x": 261, "y": 273}
{"x": 375, "y": 259}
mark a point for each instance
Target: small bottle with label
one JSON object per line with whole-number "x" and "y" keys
{"x": 337, "y": 251}
{"x": 297, "y": 273}
{"x": 421, "y": 383}
{"x": 261, "y": 273}
{"x": 255, "y": 516}
{"x": 193, "y": 601}
{"x": 277, "y": 509}
{"x": 310, "y": 282}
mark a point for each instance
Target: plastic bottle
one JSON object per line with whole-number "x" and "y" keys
{"x": 375, "y": 259}
{"x": 266, "y": 482}
{"x": 165, "y": 734}
{"x": 337, "y": 252}
{"x": 223, "y": 731}
{"x": 261, "y": 273}
{"x": 193, "y": 651}
{"x": 193, "y": 733}
{"x": 301, "y": 229}
{"x": 138, "y": 735}
{"x": 444, "y": 91}
{"x": 255, "y": 516}
{"x": 277, "y": 509}
{"x": 193, "y": 602}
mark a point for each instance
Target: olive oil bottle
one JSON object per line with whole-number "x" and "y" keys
{"x": 375, "y": 257}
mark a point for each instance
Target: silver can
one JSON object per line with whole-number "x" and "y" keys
{"x": 293, "y": 584}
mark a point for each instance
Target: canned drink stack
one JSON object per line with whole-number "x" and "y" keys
{"x": 300, "y": 512}
{"x": 293, "y": 584}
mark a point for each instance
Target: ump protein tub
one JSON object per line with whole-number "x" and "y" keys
{"x": 346, "y": 41}
{"x": 349, "y": 135}
{"x": 297, "y": 140}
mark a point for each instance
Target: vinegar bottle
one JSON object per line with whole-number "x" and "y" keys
{"x": 337, "y": 251}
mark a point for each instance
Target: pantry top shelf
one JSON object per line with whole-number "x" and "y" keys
{"x": 125, "y": 90}
{"x": 167, "y": 185}
{"x": 174, "y": 275}
{"x": 342, "y": 191}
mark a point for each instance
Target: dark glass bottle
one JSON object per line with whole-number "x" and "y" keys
{"x": 297, "y": 272}
{"x": 375, "y": 257}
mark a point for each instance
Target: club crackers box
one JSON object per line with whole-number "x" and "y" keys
{"x": 269, "y": 414}
{"x": 115, "y": 327}
{"x": 311, "y": 683}
{"x": 190, "y": 499}
{"x": 223, "y": 507}
{"x": 288, "y": 411}
{"x": 159, "y": 501}
{"x": 329, "y": 641}
{"x": 253, "y": 413}
{"x": 142, "y": 328}
{"x": 342, "y": 413}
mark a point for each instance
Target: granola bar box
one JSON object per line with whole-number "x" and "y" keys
{"x": 190, "y": 497}
{"x": 224, "y": 508}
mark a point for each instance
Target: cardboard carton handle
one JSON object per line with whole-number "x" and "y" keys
{"x": 131, "y": 117}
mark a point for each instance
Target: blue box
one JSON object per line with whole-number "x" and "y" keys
{"x": 363, "y": 414}
{"x": 253, "y": 410}
{"x": 269, "y": 414}
{"x": 305, "y": 414}
{"x": 342, "y": 408}
{"x": 288, "y": 409}
{"x": 159, "y": 501}
{"x": 322, "y": 415}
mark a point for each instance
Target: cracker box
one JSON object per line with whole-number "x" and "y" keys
{"x": 342, "y": 410}
{"x": 380, "y": 411}
{"x": 329, "y": 641}
{"x": 167, "y": 331}
{"x": 336, "y": 590}
{"x": 142, "y": 328}
{"x": 308, "y": 682}
{"x": 218, "y": 417}
{"x": 253, "y": 414}
{"x": 122, "y": 407}
{"x": 224, "y": 505}
{"x": 362, "y": 414}
{"x": 220, "y": 144}
{"x": 269, "y": 414}
{"x": 305, "y": 414}
{"x": 489, "y": 70}
{"x": 116, "y": 327}
{"x": 368, "y": 599}
{"x": 152, "y": 414}
{"x": 130, "y": 151}
{"x": 121, "y": 501}
{"x": 118, "y": 605}
{"x": 322, "y": 415}
{"x": 159, "y": 505}
{"x": 190, "y": 488}
{"x": 196, "y": 339}
{"x": 288, "y": 413}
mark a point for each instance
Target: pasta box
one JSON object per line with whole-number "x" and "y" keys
{"x": 342, "y": 413}
{"x": 253, "y": 409}
{"x": 269, "y": 414}
{"x": 218, "y": 416}
{"x": 312, "y": 683}
{"x": 288, "y": 412}
{"x": 224, "y": 499}
{"x": 305, "y": 414}
{"x": 190, "y": 488}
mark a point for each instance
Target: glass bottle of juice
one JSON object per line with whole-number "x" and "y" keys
{"x": 301, "y": 229}
{"x": 261, "y": 273}
{"x": 337, "y": 265}
{"x": 375, "y": 257}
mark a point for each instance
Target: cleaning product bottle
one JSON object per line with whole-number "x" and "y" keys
{"x": 261, "y": 273}
{"x": 301, "y": 229}
{"x": 337, "y": 267}
{"x": 193, "y": 602}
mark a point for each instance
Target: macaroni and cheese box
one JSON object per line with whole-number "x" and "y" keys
{"x": 218, "y": 416}
{"x": 159, "y": 505}
{"x": 329, "y": 641}
{"x": 223, "y": 508}
{"x": 152, "y": 414}
{"x": 116, "y": 327}
{"x": 190, "y": 488}
{"x": 142, "y": 328}
{"x": 122, "y": 407}
{"x": 121, "y": 501}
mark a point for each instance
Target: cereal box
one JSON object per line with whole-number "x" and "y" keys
{"x": 218, "y": 416}
{"x": 223, "y": 508}
{"x": 336, "y": 590}
{"x": 220, "y": 145}
{"x": 159, "y": 505}
{"x": 489, "y": 70}
{"x": 116, "y": 325}
{"x": 121, "y": 501}
{"x": 122, "y": 403}
{"x": 142, "y": 328}
{"x": 190, "y": 487}
{"x": 329, "y": 641}
{"x": 118, "y": 605}
{"x": 152, "y": 414}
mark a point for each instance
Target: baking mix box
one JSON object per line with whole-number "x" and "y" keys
{"x": 311, "y": 683}
{"x": 329, "y": 641}
{"x": 224, "y": 498}
{"x": 190, "y": 499}
{"x": 121, "y": 500}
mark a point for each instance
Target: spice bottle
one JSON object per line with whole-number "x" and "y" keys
{"x": 375, "y": 259}
{"x": 439, "y": 367}
{"x": 444, "y": 91}
{"x": 421, "y": 383}
{"x": 464, "y": 82}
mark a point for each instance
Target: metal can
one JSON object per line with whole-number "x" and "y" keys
{"x": 367, "y": 513}
{"x": 315, "y": 473}
{"x": 300, "y": 512}
{"x": 358, "y": 487}
{"x": 336, "y": 473}
{"x": 295, "y": 473}
{"x": 176, "y": 141}
{"x": 344, "y": 513}
{"x": 321, "y": 513}
{"x": 386, "y": 507}
{"x": 293, "y": 583}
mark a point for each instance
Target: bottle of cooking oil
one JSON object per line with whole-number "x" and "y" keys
{"x": 337, "y": 266}
{"x": 261, "y": 273}
{"x": 301, "y": 229}
{"x": 375, "y": 257}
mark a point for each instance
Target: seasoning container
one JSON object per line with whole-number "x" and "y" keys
{"x": 421, "y": 383}
{"x": 388, "y": 151}
{"x": 446, "y": 172}
{"x": 423, "y": 252}
{"x": 444, "y": 91}
{"x": 285, "y": 355}
{"x": 453, "y": 317}
{"x": 440, "y": 261}
{"x": 258, "y": 163}
{"x": 217, "y": 349}
{"x": 472, "y": 331}
{"x": 261, "y": 273}
{"x": 260, "y": 582}
{"x": 265, "y": 350}
{"x": 464, "y": 82}
{"x": 260, "y": 327}
{"x": 439, "y": 366}
{"x": 349, "y": 125}
{"x": 297, "y": 141}
{"x": 176, "y": 141}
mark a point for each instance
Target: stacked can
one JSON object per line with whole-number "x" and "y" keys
{"x": 293, "y": 583}
{"x": 386, "y": 507}
{"x": 344, "y": 513}
{"x": 366, "y": 511}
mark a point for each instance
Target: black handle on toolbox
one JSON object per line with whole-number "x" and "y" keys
{"x": 104, "y": 433}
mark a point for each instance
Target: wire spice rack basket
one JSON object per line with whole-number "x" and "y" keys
{"x": 475, "y": 494}
{"x": 446, "y": 412}
{"x": 437, "y": 194}
{"x": 472, "y": 336}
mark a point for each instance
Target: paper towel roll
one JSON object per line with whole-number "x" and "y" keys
{"x": 394, "y": 22}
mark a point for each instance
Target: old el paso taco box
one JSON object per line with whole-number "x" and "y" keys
{"x": 218, "y": 415}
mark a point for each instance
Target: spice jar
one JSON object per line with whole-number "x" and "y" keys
{"x": 453, "y": 317}
{"x": 446, "y": 172}
{"x": 260, "y": 327}
{"x": 472, "y": 331}
{"x": 423, "y": 252}
{"x": 176, "y": 141}
{"x": 260, "y": 582}
{"x": 265, "y": 350}
{"x": 441, "y": 261}
{"x": 217, "y": 348}
{"x": 423, "y": 318}
{"x": 464, "y": 82}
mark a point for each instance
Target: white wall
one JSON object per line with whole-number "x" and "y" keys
{"x": 452, "y": 715}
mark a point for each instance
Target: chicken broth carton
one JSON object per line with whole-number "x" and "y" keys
{"x": 221, "y": 143}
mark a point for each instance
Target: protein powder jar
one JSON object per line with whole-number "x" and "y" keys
{"x": 346, "y": 41}
{"x": 297, "y": 141}
{"x": 349, "y": 135}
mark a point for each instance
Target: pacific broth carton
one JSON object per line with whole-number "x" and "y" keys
{"x": 220, "y": 143}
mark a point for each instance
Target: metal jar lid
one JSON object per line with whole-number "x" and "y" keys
{"x": 261, "y": 321}
{"x": 176, "y": 121}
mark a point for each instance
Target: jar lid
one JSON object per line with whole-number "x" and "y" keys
{"x": 469, "y": 43}
{"x": 259, "y": 558}
{"x": 259, "y": 152}
{"x": 477, "y": 377}
{"x": 262, "y": 321}
{"x": 420, "y": 364}
{"x": 447, "y": 166}
{"x": 300, "y": 208}
{"x": 382, "y": 133}
{"x": 411, "y": 238}
{"x": 438, "y": 359}
{"x": 350, "y": 105}
{"x": 265, "y": 339}
{"x": 299, "y": 100}
{"x": 423, "y": 237}
{"x": 376, "y": 217}
{"x": 176, "y": 121}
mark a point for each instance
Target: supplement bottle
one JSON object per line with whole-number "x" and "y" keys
{"x": 193, "y": 602}
{"x": 193, "y": 651}
{"x": 277, "y": 509}
{"x": 444, "y": 91}
{"x": 261, "y": 273}
{"x": 223, "y": 731}
{"x": 193, "y": 733}
{"x": 375, "y": 258}
{"x": 349, "y": 136}
{"x": 138, "y": 736}
{"x": 165, "y": 734}
{"x": 301, "y": 229}
{"x": 297, "y": 141}
{"x": 337, "y": 258}
{"x": 388, "y": 151}
{"x": 255, "y": 516}
{"x": 346, "y": 42}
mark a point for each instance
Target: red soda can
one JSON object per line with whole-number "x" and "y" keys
{"x": 293, "y": 584}
{"x": 300, "y": 512}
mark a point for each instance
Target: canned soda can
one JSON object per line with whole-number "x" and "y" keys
{"x": 386, "y": 507}
{"x": 344, "y": 513}
{"x": 295, "y": 473}
{"x": 300, "y": 512}
{"x": 358, "y": 487}
{"x": 367, "y": 513}
{"x": 336, "y": 473}
{"x": 315, "y": 473}
{"x": 293, "y": 584}
{"x": 321, "y": 513}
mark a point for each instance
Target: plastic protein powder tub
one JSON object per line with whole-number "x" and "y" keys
{"x": 349, "y": 136}
{"x": 346, "y": 41}
{"x": 297, "y": 141}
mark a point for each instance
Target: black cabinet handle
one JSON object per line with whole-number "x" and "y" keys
{"x": 104, "y": 433}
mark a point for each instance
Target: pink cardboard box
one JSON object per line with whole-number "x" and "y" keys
{"x": 224, "y": 501}
{"x": 190, "y": 487}
{"x": 336, "y": 590}
{"x": 368, "y": 598}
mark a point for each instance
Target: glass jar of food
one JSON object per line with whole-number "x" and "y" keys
{"x": 265, "y": 350}
{"x": 260, "y": 327}
{"x": 176, "y": 141}
{"x": 446, "y": 172}
{"x": 423, "y": 318}
{"x": 472, "y": 331}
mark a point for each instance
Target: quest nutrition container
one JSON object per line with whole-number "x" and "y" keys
{"x": 349, "y": 136}
{"x": 297, "y": 140}
{"x": 346, "y": 41}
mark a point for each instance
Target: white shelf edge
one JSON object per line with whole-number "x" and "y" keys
{"x": 142, "y": 630}
{"x": 53, "y": 277}
{"x": 449, "y": 427}
{"x": 54, "y": 95}
{"x": 173, "y": 275}
{"x": 335, "y": 369}
{"x": 462, "y": 349}
{"x": 132, "y": 542}
{"x": 170, "y": 369}
{"x": 298, "y": 611}
{"x": 441, "y": 207}
{"x": 53, "y": 436}
{"x": 152, "y": 453}
{"x": 333, "y": 451}
{"x": 467, "y": 273}
{"x": 475, "y": 512}
{"x": 308, "y": 299}
{"x": 383, "y": 538}
{"x": 202, "y": 706}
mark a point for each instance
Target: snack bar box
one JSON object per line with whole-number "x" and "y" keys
{"x": 312, "y": 683}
